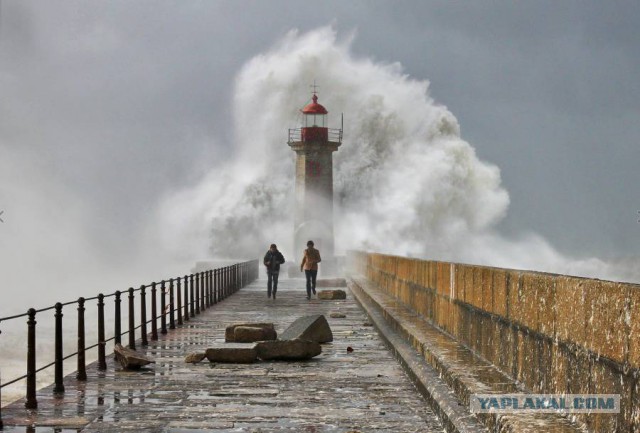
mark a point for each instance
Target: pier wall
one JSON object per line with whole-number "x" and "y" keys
{"x": 553, "y": 333}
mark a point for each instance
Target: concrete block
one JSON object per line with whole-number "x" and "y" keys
{"x": 289, "y": 350}
{"x": 546, "y": 373}
{"x": 460, "y": 285}
{"x": 500, "y": 292}
{"x": 229, "y": 354}
{"x": 433, "y": 274}
{"x": 571, "y": 323}
{"x": 606, "y": 311}
{"x": 422, "y": 271}
{"x": 477, "y": 286}
{"x": 558, "y": 382}
{"x": 546, "y": 304}
{"x": 312, "y": 328}
{"x": 486, "y": 285}
{"x": 442, "y": 282}
{"x": 578, "y": 371}
{"x": 513, "y": 305}
{"x": 634, "y": 328}
{"x": 129, "y": 359}
{"x": 250, "y": 334}
{"x": 336, "y": 294}
{"x": 403, "y": 268}
{"x": 492, "y": 338}
{"x": 606, "y": 380}
{"x": 506, "y": 356}
{"x": 229, "y": 334}
{"x": 468, "y": 283}
{"x": 528, "y": 300}
{"x": 464, "y": 322}
{"x": 634, "y": 417}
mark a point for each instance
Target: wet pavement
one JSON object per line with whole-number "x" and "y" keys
{"x": 362, "y": 390}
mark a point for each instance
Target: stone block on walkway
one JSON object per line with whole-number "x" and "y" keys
{"x": 194, "y": 358}
{"x": 252, "y": 334}
{"x": 230, "y": 331}
{"x": 312, "y": 328}
{"x": 130, "y": 359}
{"x": 232, "y": 355}
{"x": 289, "y": 350}
{"x": 332, "y": 294}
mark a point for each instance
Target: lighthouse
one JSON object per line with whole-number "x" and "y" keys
{"x": 314, "y": 144}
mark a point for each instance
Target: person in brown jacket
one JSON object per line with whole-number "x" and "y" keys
{"x": 309, "y": 264}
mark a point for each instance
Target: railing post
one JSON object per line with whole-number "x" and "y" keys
{"x": 211, "y": 297}
{"x": 172, "y": 305}
{"x": 198, "y": 293}
{"x": 154, "y": 312}
{"x": 222, "y": 287}
{"x": 206, "y": 289}
{"x": 192, "y": 299}
{"x": 179, "y": 294}
{"x": 143, "y": 315}
{"x": 223, "y": 293}
{"x": 202, "y": 293}
{"x": 215, "y": 286}
{"x": 186, "y": 298}
{"x": 102, "y": 361}
{"x": 59, "y": 385}
{"x": 117, "y": 330}
{"x": 227, "y": 277}
{"x": 82, "y": 366}
{"x": 31, "y": 402}
{"x": 132, "y": 321}
{"x": 163, "y": 307}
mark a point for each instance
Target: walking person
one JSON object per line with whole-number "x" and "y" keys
{"x": 272, "y": 260}
{"x": 309, "y": 264}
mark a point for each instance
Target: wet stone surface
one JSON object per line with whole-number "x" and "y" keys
{"x": 338, "y": 391}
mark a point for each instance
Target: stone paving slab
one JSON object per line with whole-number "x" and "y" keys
{"x": 338, "y": 391}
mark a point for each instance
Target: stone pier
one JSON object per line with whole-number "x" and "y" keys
{"x": 355, "y": 385}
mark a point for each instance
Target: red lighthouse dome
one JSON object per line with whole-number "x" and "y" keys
{"x": 314, "y": 107}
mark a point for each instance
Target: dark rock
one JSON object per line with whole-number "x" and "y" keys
{"x": 194, "y": 358}
{"x": 234, "y": 355}
{"x": 130, "y": 359}
{"x": 312, "y": 328}
{"x": 229, "y": 333}
{"x": 251, "y": 334}
{"x": 331, "y": 282}
{"x": 290, "y": 350}
{"x": 332, "y": 294}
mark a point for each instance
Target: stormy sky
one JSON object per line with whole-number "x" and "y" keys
{"x": 108, "y": 108}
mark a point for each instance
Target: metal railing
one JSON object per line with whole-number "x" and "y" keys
{"x": 187, "y": 297}
{"x": 333, "y": 135}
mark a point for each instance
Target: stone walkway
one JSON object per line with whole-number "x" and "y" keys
{"x": 339, "y": 391}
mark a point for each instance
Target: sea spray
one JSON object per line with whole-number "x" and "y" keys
{"x": 405, "y": 182}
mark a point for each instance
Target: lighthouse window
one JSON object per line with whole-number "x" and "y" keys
{"x": 314, "y": 120}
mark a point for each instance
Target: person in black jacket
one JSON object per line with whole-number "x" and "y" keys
{"x": 272, "y": 260}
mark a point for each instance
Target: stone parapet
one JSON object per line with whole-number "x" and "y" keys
{"x": 553, "y": 333}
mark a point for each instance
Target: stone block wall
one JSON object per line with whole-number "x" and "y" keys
{"x": 554, "y": 333}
